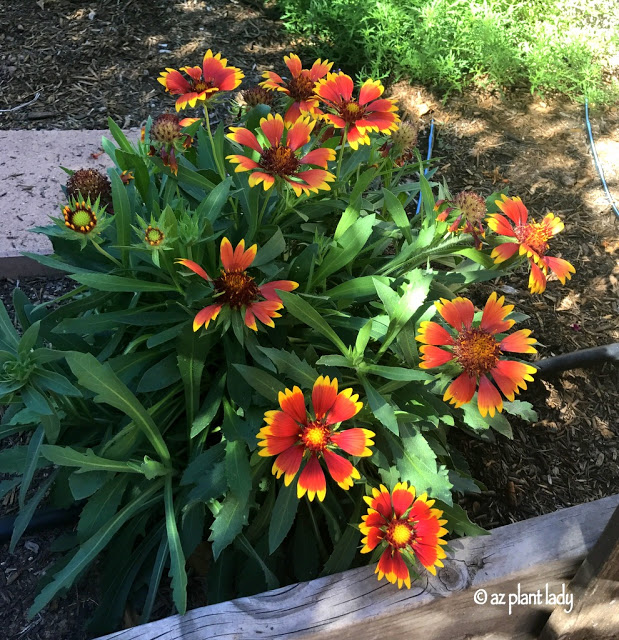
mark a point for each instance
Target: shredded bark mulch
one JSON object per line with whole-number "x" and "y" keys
{"x": 91, "y": 61}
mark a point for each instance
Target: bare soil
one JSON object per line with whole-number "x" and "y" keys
{"x": 88, "y": 61}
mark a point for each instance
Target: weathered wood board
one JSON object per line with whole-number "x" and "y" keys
{"x": 538, "y": 554}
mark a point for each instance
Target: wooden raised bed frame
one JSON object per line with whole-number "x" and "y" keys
{"x": 528, "y": 555}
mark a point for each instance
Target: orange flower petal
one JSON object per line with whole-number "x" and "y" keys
{"x": 320, "y": 157}
{"x": 196, "y": 268}
{"x": 537, "y": 279}
{"x": 510, "y": 376}
{"x": 340, "y": 469}
{"x": 274, "y": 445}
{"x": 461, "y": 390}
{"x": 288, "y": 463}
{"x": 381, "y": 502}
{"x": 561, "y": 268}
{"x": 244, "y": 163}
{"x": 494, "y": 313}
{"x": 245, "y": 137}
{"x": 279, "y": 424}
{"x": 273, "y": 128}
{"x": 370, "y": 90}
{"x": 320, "y": 69}
{"x": 518, "y": 342}
{"x": 458, "y": 312}
{"x": 299, "y": 133}
{"x": 355, "y": 442}
{"x": 500, "y": 225}
{"x": 344, "y": 407}
{"x": 259, "y": 176}
{"x": 269, "y": 289}
{"x": 293, "y": 62}
{"x": 513, "y": 209}
{"x": 293, "y": 403}
{"x": 250, "y": 319}
{"x": 402, "y": 498}
{"x": 488, "y": 398}
{"x": 432, "y": 333}
{"x": 324, "y": 394}
{"x": 433, "y": 356}
{"x": 265, "y": 310}
{"x": 205, "y": 316}
{"x": 504, "y": 251}
{"x": 373, "y": 538}
{"x": 312, "y": 480}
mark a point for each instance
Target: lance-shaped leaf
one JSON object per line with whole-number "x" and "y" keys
{"x": 284, "y": 511}
{"x": 228, "y": 523}
{"x": 89, "y": 461}
{"x": 380, "y": 407}
{"x": 110, "y": 390}
{"x": 417, "y": 465}
{"x": 264, "y": 383}
{"x": 177, "y": 558}
{"x": 398, "y": 215}
{"x": 192, "y": 350}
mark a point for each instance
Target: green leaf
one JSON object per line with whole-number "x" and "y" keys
{"x": 36, "y": 401}
{"x": 8, "y": 333}
{"x": 104, "y": 282}
{"x": 357, "y": 288}
{"x": 303, "y": 311}
{"x": 119, "y": 136}
{"x": 382, "y": 409}
{"x": 13, "y": 460}
{"x": 210, "y": 406}
{"x": 89, "y": 461}
{"x": 198, "y": 467}
{"x": 192, "y": 349}
{"x": 238, "y": 471}
{"x": 83, "y": 485}
{"x": 55, "y": 382}
{"x": 290, "y": 365}
{"x": 228, "y": 523}
{"x": 275, "y": 246}
{"x": 395, "y": 208}
{"x": 269, "y": 576}
{"x": 122, "y": 220}
{"x": 264, "y": 383}
{"x": 155, "y": 580}
{"x": 110, "y": 390}
{"x": 28, "y": 340}
{"x": 27, "y": 511}
{"x": 521, "y": 409}
{"x": 346, "y": 547}
{"x": 91, "y": 548}
{"x": 32, "y": 458}
{"x": 284, "y": 512}
{"x": 346, "y": 248}
{"x": 416, "y": 462}
{"x": 161, "y": 375}
{"x": 101, "y": 506}
{"x": 153, "y": 469}
{"x": 210, "y": 208}
{"x": 177, "y": 558}
{"x": 458, "y": 521}
{"x": 397, "y": 373}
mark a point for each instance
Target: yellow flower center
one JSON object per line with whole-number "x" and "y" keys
{"x": 351, "y": 112}
{"x": 476, "y": 351}
{"x": 279, "y": 160}
{"x": 201, "y": 85}
{"x": 154, "y": 236}
{"x": 236, "y": 289}
{"x": 316, "y": 436}
{"x": 534, "y": 235}
{"x": 80, "y": 218}
{"x": 399, "y": 533}
{"x": 301, "y": 88}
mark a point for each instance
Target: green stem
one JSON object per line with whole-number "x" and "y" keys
{"x": 106, "y": 254}
{"x": 322, "y": 550}
{"x": 341, "y": 155}
{"x": 267, "y": 197}
{"x": 170, "y": 267}
{"x": 220, "y": 169}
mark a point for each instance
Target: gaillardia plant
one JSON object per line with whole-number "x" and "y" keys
{"x": 171, "y": 405}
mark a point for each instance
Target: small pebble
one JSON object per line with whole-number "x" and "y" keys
{"x": 31, "y": 546}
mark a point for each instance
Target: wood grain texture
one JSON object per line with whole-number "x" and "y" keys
{"x": 353, "y": 605}
{"x": 596, "y": 594}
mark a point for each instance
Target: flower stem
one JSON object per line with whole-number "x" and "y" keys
{"x": 341, "y": 155}
{"x": 106, "y": 254}
{"x": 322, "y": 550}
{"x": 220, "y": 169}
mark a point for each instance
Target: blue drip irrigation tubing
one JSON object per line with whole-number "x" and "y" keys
{"x": 430, "y": 141}
{"x": 596, "y": 161}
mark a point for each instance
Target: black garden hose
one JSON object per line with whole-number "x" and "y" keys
{"x": 44, "y": 519}
{"x": 595, "y": 356}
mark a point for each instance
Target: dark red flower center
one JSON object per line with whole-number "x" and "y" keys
{"x": 301, "y": 88}
{"x": 535, "y": 235}
{"x": 279, "y": 161}
{"x": 350, "y": 112}
{"x": 201, "y": 85}
{"x": 476, "y": 351}
{"x": 316, "y": 436}
{"x": 236, "y": 289}
{"x": 400, "y": 533}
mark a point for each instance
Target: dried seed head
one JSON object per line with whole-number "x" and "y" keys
{"x": 166, "y": 128}
{"x": 405, "y": 137}
{"x": 91, "y": 184}
{"x": 257, "y": 95}
{"x": 472, "y": 205}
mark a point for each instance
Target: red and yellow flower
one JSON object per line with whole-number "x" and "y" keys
{"x": 477, "y": 352}
{"x": 238, "y": 291}
{"x": 203, "y": 83}
{"x": 292, "y": 435}
{"x": 530, "y": 239}
{"x": 369, "y": 112}
{"x": 280, "y": 159}
{"x": 410, "y": 528}
{"x": 300, "y": 87}
{"x": 470, "y": 213}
